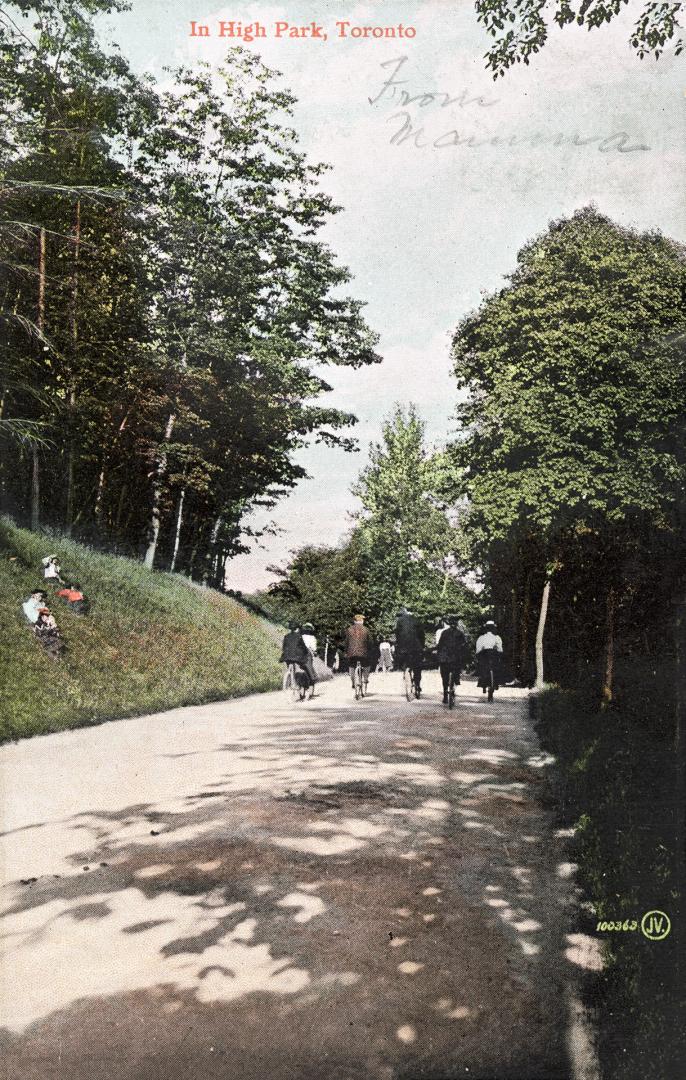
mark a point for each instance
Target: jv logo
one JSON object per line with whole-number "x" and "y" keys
{"x": 655, "y": 925}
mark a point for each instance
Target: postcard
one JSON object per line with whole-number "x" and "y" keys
{"x": 342, "y": 397}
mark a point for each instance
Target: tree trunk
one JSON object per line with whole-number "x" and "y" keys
{"x": 211, "y": 556}
{"x": 70, "y": 463}
{"x": 155, "y": 513}
{"x": 100, "y": 489}
{"x": 41, "y": 281}
{"x": 515, "y": 633}
{"x": 609, "y": 666}
{"x": 71, "y": 453}
{"x": 524, "y": 668}
{"x": 35, "y": 469}
{"x": 35, "y": 489}
{"x": 97, "y": 508}
{"x": 120, "y": 508}
{"x": 539, "y": 634}
{"x": 177, "y": 537}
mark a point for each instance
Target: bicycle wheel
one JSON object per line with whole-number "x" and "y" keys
{"x": 358, "y": 681}
{"x": 409, "y": 683}
{"x": 293, "y": 678}
{"x": 491, "y": 684}
{"x": 451, "y": 691}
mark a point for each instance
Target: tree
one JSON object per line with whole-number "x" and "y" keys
{"x": 325, "y": 586}
{"x": 520, "y": 27}
{"x": 576, "y": 381}
{"x": 165, "y": 247}
{"x": 401, "y": 551}
{"x": 406, "y": 536}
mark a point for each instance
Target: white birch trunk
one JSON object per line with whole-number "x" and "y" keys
{"x": 539, "y": 634}
{"x": 177, "y": 537}
{"x": 155, "y": 516}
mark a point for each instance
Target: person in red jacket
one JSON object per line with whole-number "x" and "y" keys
{"x": 75, "y": 599}
{"x": 358, "y": 646}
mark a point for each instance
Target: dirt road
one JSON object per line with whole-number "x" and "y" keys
{"x": 260, "y": 890}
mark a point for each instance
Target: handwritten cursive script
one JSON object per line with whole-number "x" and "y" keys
{"x": 409, "y": 129}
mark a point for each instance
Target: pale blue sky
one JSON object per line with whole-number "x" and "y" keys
{"x": 426, "y": 229}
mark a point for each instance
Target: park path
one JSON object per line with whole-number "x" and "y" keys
{"x": 261, "y": 890}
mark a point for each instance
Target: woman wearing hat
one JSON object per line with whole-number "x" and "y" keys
{"x": 489, "y": 658}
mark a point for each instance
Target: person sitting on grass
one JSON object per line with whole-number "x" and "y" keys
{"x": 32, "y": 606}
{"x": 47, "y": 633}
{"x": 75, "y": 599}
{"x": 51, "y": 569}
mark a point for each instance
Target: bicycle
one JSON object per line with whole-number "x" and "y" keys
{"x": 296, "y": 687}
{"x": 489, "y": 686}
{"x": 408, "y": 680}
{"x": 451, "y": 690}
{"x": 358, "y": 684}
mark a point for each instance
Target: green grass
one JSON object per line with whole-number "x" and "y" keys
{"x": 152, "y": 641}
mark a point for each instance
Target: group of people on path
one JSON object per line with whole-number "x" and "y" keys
{"x": 452, "y": 641}
{"x": 38, "y": 613}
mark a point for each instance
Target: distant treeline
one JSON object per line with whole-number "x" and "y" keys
{"x": 164, "y": 295}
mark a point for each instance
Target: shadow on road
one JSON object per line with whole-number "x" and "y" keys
{"x": 353, "y": 891}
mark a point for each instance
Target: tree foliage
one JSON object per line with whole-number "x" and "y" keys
{"x": 571, "y": 453}
{"x": 402, "y": 550}
{"x": 521, "y": 27}
{"x": 173, "y": 305}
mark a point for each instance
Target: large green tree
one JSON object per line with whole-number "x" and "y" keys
{"x": 575, "y": 385}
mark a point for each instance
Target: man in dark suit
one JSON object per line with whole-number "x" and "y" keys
{"x": 450, "y": 653}
{"x": 409, "y": 646}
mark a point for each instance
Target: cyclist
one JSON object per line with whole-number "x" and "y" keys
{"x": 308, "y": 636}
{"x": 443, "y": 624}
{"x": 450, "y": 654}
{"x": 295, "y": 651}
{"x": 409, "y": 646}
{"x": 358, "y": 646}
{"x": 489, "y": 656}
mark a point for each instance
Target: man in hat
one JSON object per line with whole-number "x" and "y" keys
{"x": 358, "y": 646}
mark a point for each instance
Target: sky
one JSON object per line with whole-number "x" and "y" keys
{"x": 439, "y": 192}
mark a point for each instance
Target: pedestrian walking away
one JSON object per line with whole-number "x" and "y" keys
{"x": 385, "y": 656}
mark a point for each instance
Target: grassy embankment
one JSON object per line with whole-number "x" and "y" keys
{"x": 152, "y": 641}
{"x": 616, "y": 782}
